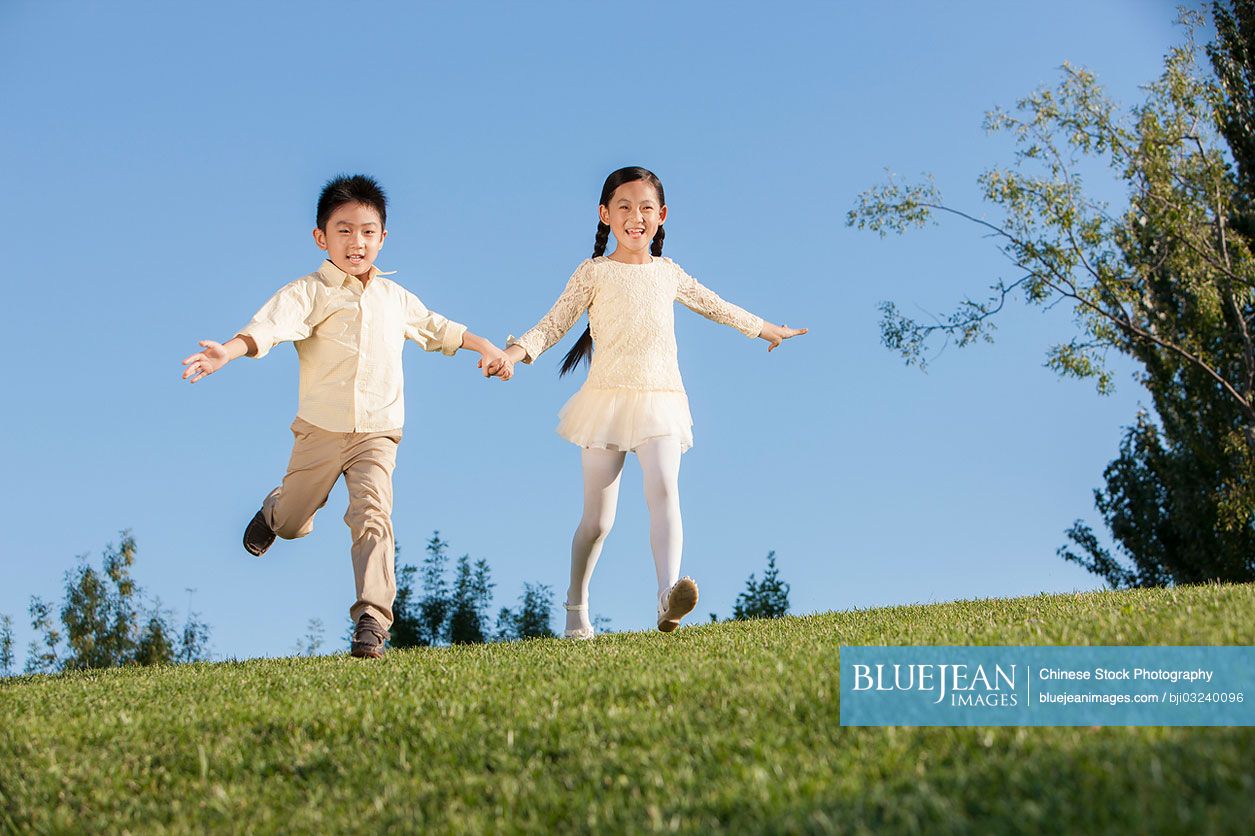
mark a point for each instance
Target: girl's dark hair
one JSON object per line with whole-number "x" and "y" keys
{"x": 583, "y": 348}
{"x": 356, "y": 188}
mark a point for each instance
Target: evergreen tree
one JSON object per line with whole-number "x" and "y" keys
{"x": 407, "y": 628}
{"x": 768, "y": 598}
{"x": 434, "y": 607}
{"x": 532, "y": 617}
{"x": 470, "y": 603}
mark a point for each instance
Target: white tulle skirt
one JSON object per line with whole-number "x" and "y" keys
{"x": 624, "y": 419}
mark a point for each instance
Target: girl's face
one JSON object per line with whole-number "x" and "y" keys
{"x": 634, "y": 214}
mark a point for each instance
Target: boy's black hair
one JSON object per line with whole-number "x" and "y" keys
{"x": 355, "y": 188}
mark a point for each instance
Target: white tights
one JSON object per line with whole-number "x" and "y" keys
{"x": 660, "y": 466}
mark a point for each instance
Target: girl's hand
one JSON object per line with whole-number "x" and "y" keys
{"x": 776, "y": 334}
{"x": 206, "y": 362}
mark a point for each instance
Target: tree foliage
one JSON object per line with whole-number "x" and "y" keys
{"x": 531, "y": 619}
{"x": 310, "y": 643}
{"x": 471, "y": 602}
{"x": 6, "y": 645}
{"x": 768, "y": 598}
{"x": 457, "y": 611}
{"x": 104, "y": 624}
{"x": 1166, "y": 279}
{"x": 433, "y": 608}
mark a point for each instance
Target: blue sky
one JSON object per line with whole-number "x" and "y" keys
{"x": 163, "y": 162}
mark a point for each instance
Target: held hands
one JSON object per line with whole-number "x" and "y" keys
{"x": 496, "y": 363}
{"x": 502, "y": 366}
{"x": 776, "y": 334}
{"x": 206, "y": 362}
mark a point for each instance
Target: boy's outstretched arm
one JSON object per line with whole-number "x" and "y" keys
{"x": 214, "y": 356}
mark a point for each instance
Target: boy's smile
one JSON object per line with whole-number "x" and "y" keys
{"x": 633, "y": 215}
{"x": 353, "y": 238}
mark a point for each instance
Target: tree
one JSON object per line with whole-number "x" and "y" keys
{"x": 1233, "y": 59}
{"x": 768, "y": 598}
{"x": 6, "y": 645}
{"x": 458, "y": 612}
{"x": 470, "y": 602}
{"x": 407, "y": 628}
{"x": 532, "y": 617}
{"x": 42, "y": 655}
{"x": 193, "y": 644}
{"x": 99, "y": 612}
{"x": 433, "y": 609}
{"x": 154, "y": 646}
{"x": 104, "y": 624}
{"x": 1164, "y": 281}
{"x": 311, "y": 642}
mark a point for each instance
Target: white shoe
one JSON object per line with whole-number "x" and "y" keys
{"x": 679, "y": 601}
{"x": 583, "y": 633}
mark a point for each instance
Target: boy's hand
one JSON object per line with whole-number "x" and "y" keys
{"x": 206, "y": 362}
{"x": 776, "y": 334}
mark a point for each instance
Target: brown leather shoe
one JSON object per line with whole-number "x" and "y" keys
{"x": 368, "y": 638}
{"x": 258, "y": 536}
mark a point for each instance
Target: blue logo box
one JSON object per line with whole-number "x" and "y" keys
{"x": 1047, "y": 686}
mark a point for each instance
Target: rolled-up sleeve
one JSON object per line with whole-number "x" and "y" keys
{"x": 429, "y": 329}
{"x": 286, "y": 316}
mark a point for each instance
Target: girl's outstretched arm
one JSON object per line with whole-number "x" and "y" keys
{"x": 701, "y": 299}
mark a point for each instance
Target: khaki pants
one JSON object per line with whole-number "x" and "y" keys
{"x": 367, "y": 461}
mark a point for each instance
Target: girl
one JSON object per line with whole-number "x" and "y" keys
{"x": 633, "y": 400}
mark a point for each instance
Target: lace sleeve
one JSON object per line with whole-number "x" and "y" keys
{"x": 700, "y": 299}
{"x": 574, "y": 300}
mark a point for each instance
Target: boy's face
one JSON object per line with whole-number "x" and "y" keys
{"x": 353, "y": 238}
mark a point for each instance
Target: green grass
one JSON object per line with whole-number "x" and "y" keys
{"x": 720, "y": 727}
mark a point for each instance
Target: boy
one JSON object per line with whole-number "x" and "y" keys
{"x": 349, "y": 324}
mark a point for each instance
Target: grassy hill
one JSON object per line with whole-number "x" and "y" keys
{"x": 728, "y": 726}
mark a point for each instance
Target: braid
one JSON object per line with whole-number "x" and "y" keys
{"x": 603, "y": 237}
{"x": 583, "y": 348}
{"x": 655, "y": 246}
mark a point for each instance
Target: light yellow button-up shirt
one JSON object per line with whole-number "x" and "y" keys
{"x": 349, "y": 340}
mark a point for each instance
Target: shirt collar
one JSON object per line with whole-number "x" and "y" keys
{"x": 333, "y": 276}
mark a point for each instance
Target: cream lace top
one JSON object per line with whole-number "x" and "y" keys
{"x": 631, "y": 311}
